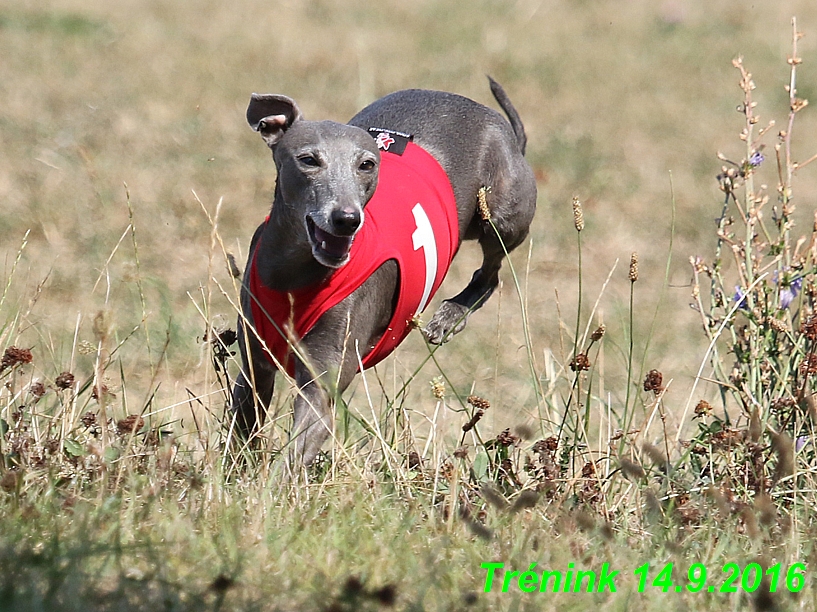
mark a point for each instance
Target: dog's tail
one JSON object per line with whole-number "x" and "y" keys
{"x": 510, "y": 111}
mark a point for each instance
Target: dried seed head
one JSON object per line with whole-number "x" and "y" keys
{"x": 221, "y": 583}
{"x": 548, "y": 445}
{"x": 10, "y": 480}
{"x": 766, "y": 509}
{"x": 655, "y": 454}
{"x": 809, "y": 327}
{"x": 719, "y": 499}
{"x": 526, "y": 499}
{"x": 506, "y": 438}
{"x": 102, "y": 325}
{"x": 85, "y": 348}
{"x": 482, "y": 203}
{"x": 385, "y": 595}
{"x": 653, "y": 382}
{"x": 578, "y": 215}
{"x": 353, "y": 586}
{"x": 414, "y": 460}
{"x": 473, "y": 421}
{"x": 88, "y": 419}
{"x": 631, "y": 469}
{"x": 703, "y": 409}
{"x": 479, "y": 530}
{"x": 14, "y": 355}
{"x": 755, "y": 426}
{"x": 100, "y": 390}
{"x": 580, "y": 362}
{"x": 64, "y": 381}
{"x": 235, "y": 271}
{"x": 447, "y": 471}
{"x": 750, "y": 522}
{"x": 494, "y": 497}
{"x": 809, "y": 365}
{"x": 478, "y": 402}
{"x": 633, "y": 275}
{"x": 438, "y": 388}
{"x": 37, "y": 389}
{"x": 584, "y": 520}
{"x": 785, "y": 404}
{"x": 599, "y": 333}
{"x": 130, "y": 424}
{"x": 783, "y": 447}
{"x": 779, "y": 326}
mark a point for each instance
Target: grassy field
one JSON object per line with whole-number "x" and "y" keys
{"x": 128, "y": 173}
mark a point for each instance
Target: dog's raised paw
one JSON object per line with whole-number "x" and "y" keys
{"x": 449, "y": 319}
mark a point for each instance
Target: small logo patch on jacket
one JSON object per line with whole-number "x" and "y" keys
{"x": 390, "y": 140}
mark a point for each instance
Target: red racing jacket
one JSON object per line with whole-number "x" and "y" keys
{"x": 411, "y": 218}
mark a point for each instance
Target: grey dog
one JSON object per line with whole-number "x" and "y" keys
{"x": 327, "y": 174}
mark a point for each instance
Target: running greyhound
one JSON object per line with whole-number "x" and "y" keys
{"x": 364, "y": 223}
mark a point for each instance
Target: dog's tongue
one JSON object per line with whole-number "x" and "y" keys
{"x": 336, "y": 246}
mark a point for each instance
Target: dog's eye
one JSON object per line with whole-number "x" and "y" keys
{"x": 367, "y": 165}
{"x": 309, "y": 160}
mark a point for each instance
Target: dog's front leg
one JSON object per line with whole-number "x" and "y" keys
{"x": 312, "y": 420}
{"x": 253, "y": 388}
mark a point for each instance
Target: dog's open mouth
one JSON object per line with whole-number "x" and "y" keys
{"x": 330, "y": 250}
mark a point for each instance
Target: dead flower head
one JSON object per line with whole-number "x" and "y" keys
{"x": 809, "y": 327}
{"x": 130, "y": 424}
{"x": 580, "y": 362}
{"x": 14, "y": 355}
{"x": 64, "y": 381}
{"x": 703, "y": 409}
{"x": 478, "y": 402}
{"x": 37, "y": 389}
{"x": 548, "y": 445}
{"x": 599, "y": 333}
{"x": 653, "y": 382}
{"x": 809, "y": 365}
{"x": 506, "y": 438}
{"x": 100, "y": 390}
{"x": 88, "y": 419}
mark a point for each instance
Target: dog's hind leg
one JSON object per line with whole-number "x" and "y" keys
{"x": 501, "y": 224}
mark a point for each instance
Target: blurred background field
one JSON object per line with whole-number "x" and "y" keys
{"x": 117, "y": 112}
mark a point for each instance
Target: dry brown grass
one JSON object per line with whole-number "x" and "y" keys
{"x": 152, "y": 95}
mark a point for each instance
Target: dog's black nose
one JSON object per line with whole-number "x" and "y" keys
{"x": 345, "y": 221}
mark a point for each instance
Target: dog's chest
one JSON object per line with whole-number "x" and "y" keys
{"x": 411, "y": 218}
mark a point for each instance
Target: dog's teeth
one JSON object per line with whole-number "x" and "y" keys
{"x": 323, "y": 245}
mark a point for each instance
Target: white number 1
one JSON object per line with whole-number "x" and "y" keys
{"x": 423, "y": 237}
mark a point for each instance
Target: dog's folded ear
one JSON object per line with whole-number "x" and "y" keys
{"x": 271, "y": 115}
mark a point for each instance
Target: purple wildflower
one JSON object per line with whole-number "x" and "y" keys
{"x": 756, "y": 159}
{"x": 740, "y": 298}
{"x": 789, "y": 289}
{"x": 800, "y": 443}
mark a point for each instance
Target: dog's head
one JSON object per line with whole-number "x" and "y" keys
{"x": 327, "y": 172}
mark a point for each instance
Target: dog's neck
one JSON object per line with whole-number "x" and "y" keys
{"x": 283, "y": 254}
